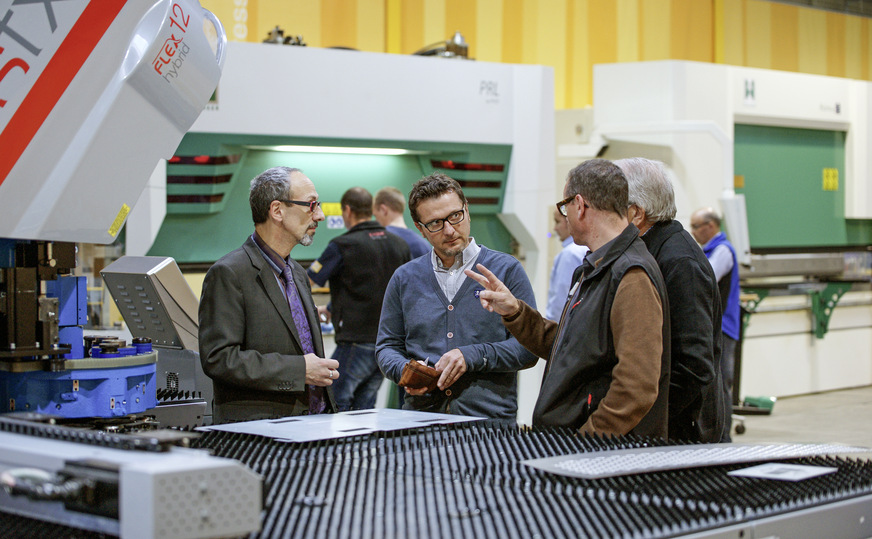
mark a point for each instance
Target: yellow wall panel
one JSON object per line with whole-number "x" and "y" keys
{"x": 513, "y": 31}
{"x": 836, "y": 56}
{"x": 730, "y": 32}
{"x": 758, "y": 45}
{"x": 412, "y": 26}
{"x": 867, "y": 50}
{"x": 434, "y": 23}
{"x": 602, "y": 31}
{"x": 628, "y": 44}
{"x": 853, "y": 47}
{"x": 551, "y": 29}
{"x": 371, "y": 25}
{"x": 579, "y": 85}
{"x": 785, "y": 38}
{"x": 394, "y": 26}
{"x": 656, "y": 19}
{"x": 489, "y": 29}
{"x": 339, "y": 23}
{"x": 530, "y": 29}
{"x": 460, "y": 16}
{"x": 692, "y": 30}
{"x": 812, "y": 44}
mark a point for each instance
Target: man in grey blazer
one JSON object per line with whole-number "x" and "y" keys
{"x": 260, "y": 337}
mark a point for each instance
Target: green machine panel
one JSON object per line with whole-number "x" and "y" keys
{"x": 793, "y": 182}
{"x": 208, "y": 180}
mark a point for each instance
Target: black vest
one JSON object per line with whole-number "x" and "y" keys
{"x": 581, "y": 363}
{"x": 370, "y": 255}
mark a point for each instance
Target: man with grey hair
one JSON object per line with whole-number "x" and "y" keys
{"x": 695, "y": 399}
{"x": 260, "y": 338}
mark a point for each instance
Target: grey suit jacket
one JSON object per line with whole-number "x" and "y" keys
{"x": 249, "y": 345}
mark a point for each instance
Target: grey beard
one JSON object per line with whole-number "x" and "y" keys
{"x": 306, "y": 240}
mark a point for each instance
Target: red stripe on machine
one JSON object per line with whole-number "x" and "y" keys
{"x": 55, "y": 79}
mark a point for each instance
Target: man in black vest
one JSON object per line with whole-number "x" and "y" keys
{"x": 608, "y": 358}
{"x": 358, "y": 265}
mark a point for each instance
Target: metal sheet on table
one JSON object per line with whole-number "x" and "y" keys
{"x": 598, "y": 464}
{"x": 330, "y": 426}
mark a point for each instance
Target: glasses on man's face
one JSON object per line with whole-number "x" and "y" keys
{"x": 698, "y": 225}
{"x": 312, "y": 204}
{"x": 561, "y": 206}
{"x": 438, "y": 224}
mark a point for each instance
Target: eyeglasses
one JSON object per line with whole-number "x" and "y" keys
{"x": 698, "y": 225}
{"x": 561, "y": 206}
{"x": 312, "y": 204}
{"x": 438, "y": 224}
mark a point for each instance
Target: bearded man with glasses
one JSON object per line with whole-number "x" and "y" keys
{"x": 260, "y": 337}
{"x": 431, "y": 314}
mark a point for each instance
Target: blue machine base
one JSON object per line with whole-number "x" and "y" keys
{"x": 111, "y": 392}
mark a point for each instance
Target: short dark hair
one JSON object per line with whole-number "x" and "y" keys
{"x": 432, "y": 186}
{"x": 359, "y": 200}
{"x": 601, "y": 183}
{"x": 271, "y": 184}
{"x": 391, "y": 197}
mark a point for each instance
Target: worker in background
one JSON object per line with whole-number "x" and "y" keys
{"x": 260, "y": 339}
{"x": 570, "y": 257}
{"x": 696, "y": 400}
{"x": 431, "y": 314}
{"x": 705, "y": 226}
{"x": 388, "y": 208}
{"x": 358, "y": 264}
{"x": 608, "y": 358}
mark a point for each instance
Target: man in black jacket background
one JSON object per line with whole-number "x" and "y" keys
{"x": 695, "y": 397}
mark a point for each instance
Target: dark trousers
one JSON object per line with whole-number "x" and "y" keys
{"x": 728, "y": 363}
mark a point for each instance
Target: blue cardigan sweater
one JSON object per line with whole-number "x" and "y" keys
{"x": 418, "y": 321}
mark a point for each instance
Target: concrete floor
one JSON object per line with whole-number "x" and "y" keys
{"x": 843, "y": 416}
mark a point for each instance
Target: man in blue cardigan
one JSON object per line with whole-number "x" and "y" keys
{"x": 431, "y": 313}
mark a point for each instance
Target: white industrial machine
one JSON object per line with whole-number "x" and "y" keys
{"x": 92, "y": 96}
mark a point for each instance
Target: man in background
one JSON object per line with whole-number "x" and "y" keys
{"x": 358, "y": 264}
{"x": 570, "y": 257}
{"x": 260, "y": 340}
{"x": 705, "y": 225}
{"x": 608, "y": 358}
{"x": 696, "y": 407}
{"x": 388, "y": 208}
{"x": 431, "y": 313}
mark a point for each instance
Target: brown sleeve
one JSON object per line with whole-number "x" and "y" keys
{"x": 535, "y": 332}
{"x": 636, "y": 320}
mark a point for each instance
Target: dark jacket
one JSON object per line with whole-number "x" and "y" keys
{"x": 695, "y": 321}
{"x": 583, "y": 359}
{"x": 249, "y": 344}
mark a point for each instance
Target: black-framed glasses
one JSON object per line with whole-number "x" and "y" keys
{"x": 438, "y": 224}
{"x": 561, "y": 206}
{"x": 312, "y": 204}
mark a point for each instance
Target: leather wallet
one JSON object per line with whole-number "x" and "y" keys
{"x": 415, "y": 376}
